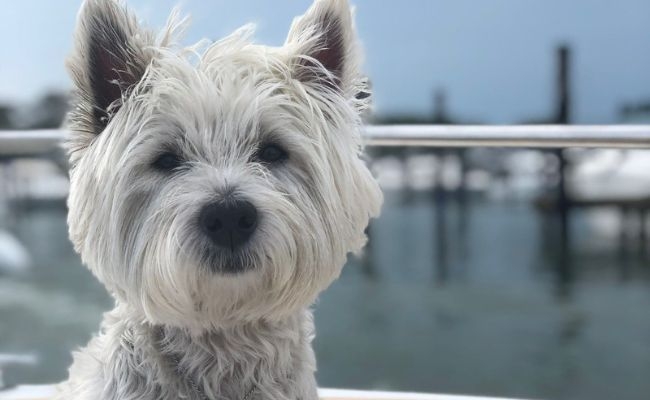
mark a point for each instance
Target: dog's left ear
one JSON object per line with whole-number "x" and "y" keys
{"x": 326, "y": 53}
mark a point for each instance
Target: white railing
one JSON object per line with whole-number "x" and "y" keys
{"x": 17, "y": 143}
{"x": 532, "y": 136}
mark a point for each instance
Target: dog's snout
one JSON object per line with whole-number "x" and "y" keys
{"x": 229, "y": 224}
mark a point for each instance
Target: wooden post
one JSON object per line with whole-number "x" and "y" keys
{"x": 563, "y": 116}
{"x": 440, "y": 116}
{"x": 441, "y": 231}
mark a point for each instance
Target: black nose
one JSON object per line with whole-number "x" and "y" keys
{"x": 229, "y": 223}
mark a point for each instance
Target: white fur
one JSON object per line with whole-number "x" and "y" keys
{"x": 135, "y": 228}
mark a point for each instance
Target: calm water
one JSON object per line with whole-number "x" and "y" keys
{"x": 489, "y": 320}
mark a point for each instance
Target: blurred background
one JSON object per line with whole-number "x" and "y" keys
{"x": 518, "y": 273}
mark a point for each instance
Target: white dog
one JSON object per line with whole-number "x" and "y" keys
{"x": 215, "y": 191}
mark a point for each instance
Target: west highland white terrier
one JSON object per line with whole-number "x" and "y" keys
{"x": 216, "y": 190}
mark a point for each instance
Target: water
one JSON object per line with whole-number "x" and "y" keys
{"x": 494, "y": 320}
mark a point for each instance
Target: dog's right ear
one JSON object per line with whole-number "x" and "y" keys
{"x": 326, "y": 52}
{"x": 111, "y": 55}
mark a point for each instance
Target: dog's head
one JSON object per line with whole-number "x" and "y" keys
{"x": 217, "y": 185}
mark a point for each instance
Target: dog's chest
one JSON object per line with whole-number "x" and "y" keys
{"x": 237, "y": 366}
{"x": 205, "y": 377}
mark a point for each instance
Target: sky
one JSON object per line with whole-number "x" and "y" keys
{"x": 494, "y": 58}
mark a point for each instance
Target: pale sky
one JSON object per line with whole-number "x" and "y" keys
{"x": 494, "y": 57}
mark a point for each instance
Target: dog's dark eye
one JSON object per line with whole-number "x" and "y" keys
{"x": 271, "y": 153}
{"x": 167, "y": 161}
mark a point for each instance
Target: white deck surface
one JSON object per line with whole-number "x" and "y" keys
{"x": 45, "y": 392}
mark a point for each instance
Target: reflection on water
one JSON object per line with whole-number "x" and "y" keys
{"x": 489, "y": 321}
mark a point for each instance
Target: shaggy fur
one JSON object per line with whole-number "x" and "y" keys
{"x": 183, "y": 318}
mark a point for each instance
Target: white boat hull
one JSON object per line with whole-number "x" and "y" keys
{"x": 44, "y": 392}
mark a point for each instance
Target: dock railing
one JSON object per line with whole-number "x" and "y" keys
{"x": 34, "y": 142}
